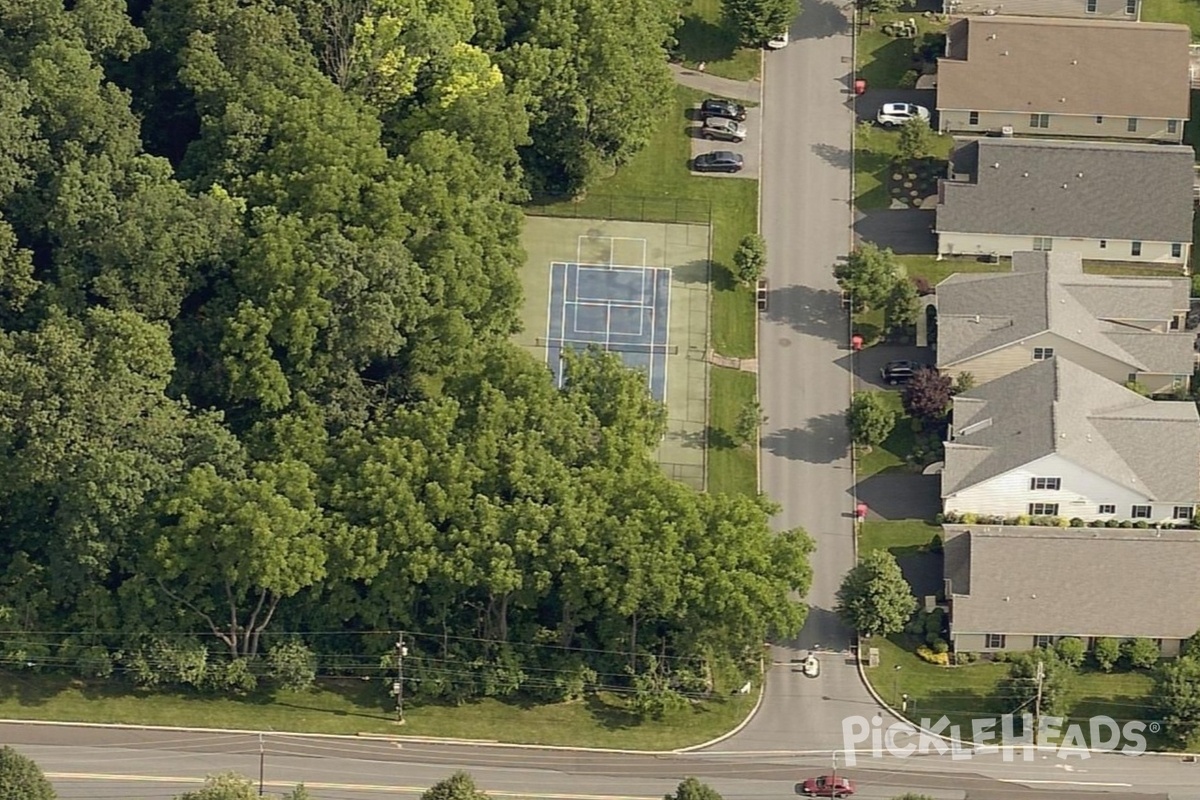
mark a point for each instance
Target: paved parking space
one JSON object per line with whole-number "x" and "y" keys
{"x": 750, "y": 149}
{"x": 905, "y": 230}
{"x": 868, "y": 105}
{"x": 869, "y": 362}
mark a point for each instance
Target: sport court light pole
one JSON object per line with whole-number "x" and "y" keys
{"x": 401, "y": 652}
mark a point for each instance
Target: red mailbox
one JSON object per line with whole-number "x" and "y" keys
{"x": 856, "y": 342}
{"x": 860, "y": 86}
{"x": 860, "y": 512}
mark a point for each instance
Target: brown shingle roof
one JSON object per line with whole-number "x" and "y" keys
{"x": 1067, "y": 66}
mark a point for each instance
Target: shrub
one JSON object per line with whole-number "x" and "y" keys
{"x": 970, "y": 518}
{"x": 1141, "y": 653}
{"x": 940, "y": 646}
{"x": 1112, "y": 523}
{"x": 1024, "y": 520}
{"x": 939, "y": 519}
{"x": 1106, "y": 653}
{"x": 1141, "y": 524}
{"x": 1071, "y": 650}
{"x": 291, "y": 665}
{"x": 1001, "y": 657}
{"x": 924, "y": 287}
{"x": 935, "y": 544}
{"x": 94, "y": 662}
{"x": 928, "y": 655}
{"x": 232, "y": 677}
{"x": 1125, "y": 523}
{"x": 1076, "y": 522}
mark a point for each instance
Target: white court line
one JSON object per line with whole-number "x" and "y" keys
{"x": 563, "y": 318}
{"x": 550, "y": 303}
{"x": 653, "y": 303}
{"x": 577, "y": 328}
{"x": 666, "y": 370}
{"x": 642, "y": 270}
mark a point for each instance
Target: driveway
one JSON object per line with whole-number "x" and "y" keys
{"x": 907, "y": 231}
{"x": 871, "y": 360}
{"x": 751, "y": 149}
{"x": 868, "y": 105}
{"x": 901, "y": 495}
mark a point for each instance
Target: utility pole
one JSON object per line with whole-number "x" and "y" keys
{"x": 401, "y": 652}
{"x": 1037, "y": 705}
{"x": 262, "y": 764}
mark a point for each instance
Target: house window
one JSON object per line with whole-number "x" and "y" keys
{"x": 1044, "y": 509}
{"x": 1043, "y": 353}
{"x": 1140, "y": 512}
{"x": 1091, "y": 6}
{"x": 995, "y": 641}
{"x": 1104, "y": 244}
{"x": 973, "y": 118}
{"x": 1131, "y": 7}
{"x": 1091, "y": 643}
{"x": 1176, "y": 250}
{"x": 1182, "y": 512}
{"x": 1099, "y": 120}
{"x": 1131, "y": 126}
{"x": 1043, "y": 641}
{"x": 1107, "y": 508}
{"x": 1039, "y": 120}
{"x": 1043, "y": 243}
{"x": 1135, "y": 248}
{"x": 1045, "y": 483}
{"x": 1172, "y": 126}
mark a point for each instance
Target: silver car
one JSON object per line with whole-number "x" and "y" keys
{"x": 726, "y": 130}
{"x": 893, "y": 114}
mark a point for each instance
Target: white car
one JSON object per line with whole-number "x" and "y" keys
{"x": 812, "y": 667}
{"x": 893, "y": 114}
{"x": 779, "y": 42}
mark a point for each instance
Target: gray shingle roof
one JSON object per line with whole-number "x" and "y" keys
{"x": 1049, "y": 292}
{"x": 1056, "y": 406}
{"x": 1127, "y": 191}
{"x": 1016, "y": 581}
{"x": 1067, "y": 66}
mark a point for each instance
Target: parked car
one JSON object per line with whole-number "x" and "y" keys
{"x": 892, "y": 114}
{"x": 726, "y": 130}
{"x": 716, "y": 107}
{"x": 895, "y": 373}
{"x": 719, "y": 161}
{"x": 828, "y": 786}
{"x": 779, "y": 42}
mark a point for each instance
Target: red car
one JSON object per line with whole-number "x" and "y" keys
{"x": 827, "y": 786}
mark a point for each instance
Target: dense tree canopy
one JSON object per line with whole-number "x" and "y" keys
{"x": 258, "y": 405}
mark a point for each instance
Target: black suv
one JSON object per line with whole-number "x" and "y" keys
{"x": 718, "y": 161}
{"x": 895, "y": 373}
{"x": 716, "y": 107}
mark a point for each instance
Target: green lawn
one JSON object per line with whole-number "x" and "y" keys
{"x": 1130, "y": 270}
{"x": 705, "y": 37}
{"x": 354, "y": 706}
{"x": 869, "y": 325}
{"x": 934, "y": 271}
{"x": 875, "y": 152}
{"x": 965, "y": 692}
{"x": 732, "y": 469}
{"x": 900, "y": 537}
{"x": 891, "y": 454}
{"x": 883, "y": 60}
{"x": 1184, "y": 12}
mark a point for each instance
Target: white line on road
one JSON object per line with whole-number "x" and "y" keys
{"x": 1069, "y": 783}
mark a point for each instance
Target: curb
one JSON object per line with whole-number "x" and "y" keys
{"x": 762, "y": 83}
{"x": 762, "y": 693}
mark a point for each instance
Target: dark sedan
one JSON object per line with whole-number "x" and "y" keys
{"x": 718, "y": 161}
{"x": 716, "y": 107}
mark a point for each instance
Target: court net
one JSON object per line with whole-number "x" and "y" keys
{"x": 618, "y": 347}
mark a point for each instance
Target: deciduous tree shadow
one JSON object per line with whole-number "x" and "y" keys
{"x": 833, "y": 155}
{"x": 823, "y": 440}
{"x": 815, "y": 312}
{"x": 702, "y": 40}
{"x": 820, "y": 20}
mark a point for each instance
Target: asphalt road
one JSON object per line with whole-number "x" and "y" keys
{"x": 804, "y": 382}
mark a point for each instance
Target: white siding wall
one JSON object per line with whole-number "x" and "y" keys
{"x": 952, "y": 243}
{"x": 1074, "y": 126}
{"x": 1081, "y": 494}
{"x": 1017, "y": 642}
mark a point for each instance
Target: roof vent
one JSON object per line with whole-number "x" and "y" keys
{"x": 977, "y": 319}
{"x": 1033, "y": 597}
{"x": 1064, "y": 186}
{"x": 976, "y": 426}
{"x": 991, "y": 36}
{"x": 1078, "y": 174}
{"x": 996, "y": 165}
{"x": 1007, "y": 599}
{"x": 1062, "y": 436}
{"x": 1004, "y": 53}
{"x": 1024, "y": 174}
{"x": 1074, "y": 61}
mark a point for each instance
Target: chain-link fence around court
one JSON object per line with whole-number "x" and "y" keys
{"x": 627, "y": 207}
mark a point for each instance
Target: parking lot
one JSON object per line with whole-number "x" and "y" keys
{"x": 750, "y": 149}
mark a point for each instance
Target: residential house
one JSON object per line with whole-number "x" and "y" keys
{"x": 1106, "y": 201}
{"x": 1016, "y": 588}
{"x": 1056, "y": 439}
{"x": 1127, "y": 10}
{"x": 1078, "y": 78}
{"x": 994, "y": 323}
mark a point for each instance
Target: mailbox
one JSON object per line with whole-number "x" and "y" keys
{"x": 762, "y": 294}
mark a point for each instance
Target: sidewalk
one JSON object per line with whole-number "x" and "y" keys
{"x": 750, "y": 91}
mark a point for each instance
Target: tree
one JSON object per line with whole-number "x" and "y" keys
{"x": 874, "y": 598}
{"x": 757, "y": 21}
{"x": 882, "y": 6}
{"x": 1191, "y": 646}
{"x": 1071, "y": 650}
{"x": 1142, "y": 653}
{"x": 231, "y": 786}
{"x": 927, "y": 396}
{"x": 693, "y": 789}
{"x": 1019, "y": 689}
{"x": 1106, "y": 652}
{"x": 902, "y": 306}
{"x": 21, "y": 778}
{"x": 916, "y": 140}
{"x": 749, "y": 422}
{"x": 750, "y": 259}
{"x": 1177, "y": 695}
{"x": 459, "y": 786}
{"x": 963, "y": 382}
{"x": 869, "y": 274}
{"x": 870, "y": 419}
